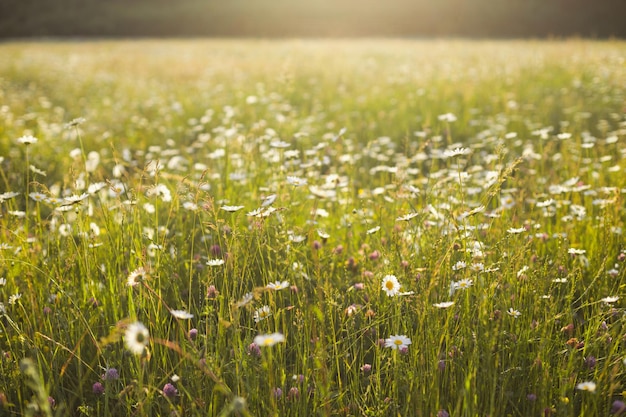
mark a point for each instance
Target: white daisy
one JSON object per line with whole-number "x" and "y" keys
{"x": 587, "y": 386}
{"x": 277, "y": 285}
{"x": 181, "y": 314}
{"x": 215, "y": 262}
{"x": 136, "y": 277}
{"x": 390, "y": 285}
{"x": 262, "y": 313}
{"x": 444, "y": 304}
{"x": 265, "y": 340}
{"x": 136, "y": 338}
{"x": 27, "y": 140}
{"x": 397, "y": 342}
{"x": 231, "y": 209}
{"x": 407, "y": 217}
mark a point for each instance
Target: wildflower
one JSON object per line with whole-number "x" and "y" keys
{"x": 296, "y": 181}
{"x": 618, "y": 407}
{"x": 513, "y": 313}
{"x": 13, "y": 298}
{"x": 463, "y": 284}
{"x": 136, "y": 277}
{"x": 97, "y": 388}
{"x": 181, "y": 314}
{"x": 587, "y": 386}
{"x": 169, "y": 390}
{"x": 574, "y": 251}
{"x": 459, "y": 265}
{"x": 373, "y": 230}
{"x": 262, "y": 313}
{"x": 38, "y": 196}
{"x": 367, "y": 368}
{"x": 447, "y": 117}
{"x": 515, "y": 231}
{"x": 277, "y": 285}
{"x": 610, "y": 300}
{"x": 277, "y": 392}
{"x": 266, "y": 340}
{"x": 254, "y": 350}
{"x": 136, "y": 337}
{"x": 450, "y": 153}
{"x": 322, "y": 234}
{"x": 27, "y": 140}
{"x": 193, "y": 334}
{"x": 267, "y": 201}
{"x": 293, "y": 393}
{"x": 246, "y": 299}
{"x": 397, "y": 342}
{"x": 444, "y": 304}
{"x": 75, "y": 122}
{"x": 391, "y": 286}
{"x": 407, "y": 217}
{"x": 111, "y": 374}
{"x": 231, "y": 208}
{"x": 215, "y": 262}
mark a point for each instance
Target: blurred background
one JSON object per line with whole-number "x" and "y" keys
{"x": 314, "y": 18}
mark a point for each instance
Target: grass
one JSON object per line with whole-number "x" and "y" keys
{"x": 216, "y": 191}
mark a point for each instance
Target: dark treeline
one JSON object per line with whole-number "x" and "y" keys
{"x": 321, "y": 18}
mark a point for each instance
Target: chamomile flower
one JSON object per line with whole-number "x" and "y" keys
{"x": 231, "y": 209}
{"x": 610, "y": 300}
{"x": 397, "y": 342}
{"x": 136, "y": 338}
{"x": 513, "y": 313}
{"x": 296, "y": 181}
{"x": 267, "y": 340}
{"x": 390, "y": 285}
{"x": 136, "y": 277}
{"x": 262, "y": 313}
{"x": 586, "y": 386}
{"x": 27, "y": 140}
{"x": 215, "y": 262}
{"x": 181, "y": 314}
{"x": 444, "y": 304}
{"x": 277, "y": 285}
{"x": 245, "y": 300}
{"x": 407, "y": 217}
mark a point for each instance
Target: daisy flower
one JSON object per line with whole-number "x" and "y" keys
{"x": 262, "y": 313}
{"x": 407, "y": 217}
{"x": 444, "y": 304}
{"x": 181, "y": 314}
{"x": 215, "y": 262}
{"x": 296, "y": 181}
{"x": 231, "y": 209}
{"x": 390, "y": 285}
{"x": 136, "y": 277}
{"x": 513, "y": 313}
{"x": 397, "y": 342}
{"x": 587, "y": 386}
{"x": 245, "y": 300}
{"x": 266, "y": 340}
{"x": 610, "y": 300}
{"x": 450, "y": 153}
{"x": 27, "y": 140}
{"x": 277, "y": 285}
{"x": 515, "y": 231}
{"x": 136, "y": 338}
{"x": 574, "y": 251}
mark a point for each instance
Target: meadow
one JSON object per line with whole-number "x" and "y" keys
{"x": 312, "y": 228}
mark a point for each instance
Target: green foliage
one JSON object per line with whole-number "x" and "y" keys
{"x": 183, "y": 198}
